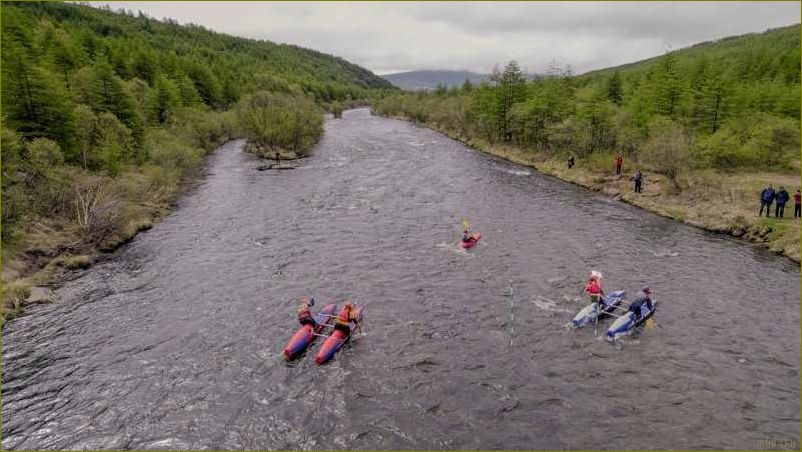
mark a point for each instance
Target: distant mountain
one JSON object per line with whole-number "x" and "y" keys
{"x": 428, "y": 80}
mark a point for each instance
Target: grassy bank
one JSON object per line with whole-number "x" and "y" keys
{"x": 92, "y": 216}
{"x": 716, "y": 201}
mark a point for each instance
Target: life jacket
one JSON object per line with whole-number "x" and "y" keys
{"x": 304, "y": 313}
{"x": 593, "y": 287}
{"x": 344, "y": 317}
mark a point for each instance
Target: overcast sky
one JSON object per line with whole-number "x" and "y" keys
{"x": 399, "y": 36}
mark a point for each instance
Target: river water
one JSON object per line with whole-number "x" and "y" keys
{"x": 175, "y": 342}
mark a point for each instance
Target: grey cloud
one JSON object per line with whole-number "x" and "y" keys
{"x": 387, "y": 36}
{"x": 679, "y": 20}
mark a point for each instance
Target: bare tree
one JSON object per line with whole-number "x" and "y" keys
{"x": 96, "y": 208}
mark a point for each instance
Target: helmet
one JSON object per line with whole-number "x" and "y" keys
{"x": 595, "y": 274}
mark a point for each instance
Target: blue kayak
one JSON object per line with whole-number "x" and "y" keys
{"x": 626, "y": 324}
{"x": 589, "y": 313}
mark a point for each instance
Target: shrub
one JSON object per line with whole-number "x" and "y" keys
{"x": 274, "y": 122}
{"x": 759, "y": 142}
{"x": 170, "y": 153}
{"x": 77, "y": 262}
{"x": 667, "y": 150}
{"x": 14, "y": 295}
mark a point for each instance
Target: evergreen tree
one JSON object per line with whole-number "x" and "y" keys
{"x": 614, "y": 91}
{"x": 34, "y": 102}
{"x": 163, "y": 100}
{"x": 189, "y": 95}
{"x": 512, "y": 90}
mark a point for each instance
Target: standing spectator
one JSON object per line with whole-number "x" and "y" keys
{"x": 797, "y": 204}
{"x": 638, "y": 178}
{"x": 619, "y": 160}
{"x": 782, "y": 198}
{"x": 766, "y": 198}
{"x": 571, "y": 162}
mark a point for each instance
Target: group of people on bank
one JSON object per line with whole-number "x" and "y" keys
{"x": 779, "y": 198}
{"x": 768, "y": 196}
{"x": 618, "y": 161}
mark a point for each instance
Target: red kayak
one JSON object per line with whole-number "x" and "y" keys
{"x": 336, "y": 340}
{"x": 306, "y": 334}
{"x": 475, "y": 237}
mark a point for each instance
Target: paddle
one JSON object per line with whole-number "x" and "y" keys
{"x": 466, "y": 226}
{"x": 512, "y": 313}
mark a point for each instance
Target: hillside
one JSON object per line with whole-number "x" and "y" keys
{"x": 776, "y": 45}
{"x": 429, "y": 80}
{"x": 139, "y": 47}
{"x": 106, "y": 115}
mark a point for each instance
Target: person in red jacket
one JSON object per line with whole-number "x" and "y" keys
{"x": 347, "y": 315}
{"x": 619, "y": 161}
{"x": 594, "y": 288}
{"x": 304, "y": 314}
{"x": 797, "y": 204}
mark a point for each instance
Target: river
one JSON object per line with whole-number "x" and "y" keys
{"x": 175, "y": 341}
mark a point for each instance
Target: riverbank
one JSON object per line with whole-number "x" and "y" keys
{"x": 53, "y": 247}
{"x": 714, "y": 201}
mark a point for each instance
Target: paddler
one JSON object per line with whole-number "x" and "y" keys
{"x": 594, "y": 289}
{"x": 644, "y": 297}
{"x": 347, "y": 314}
{"x": 467, "y": 236}
{"x": 304, "y": 314}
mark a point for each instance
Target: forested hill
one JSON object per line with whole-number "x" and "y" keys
{"x": 769, "y": 54}
{"x": 105, "y": 113}
{"x": 429, "y": 80}
{"x": 137, "y": 47}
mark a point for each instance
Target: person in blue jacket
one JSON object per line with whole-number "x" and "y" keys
{"x": 766, "y": 198}
{"x": 644, "y": 297}
{"x": 782, "y": 197}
